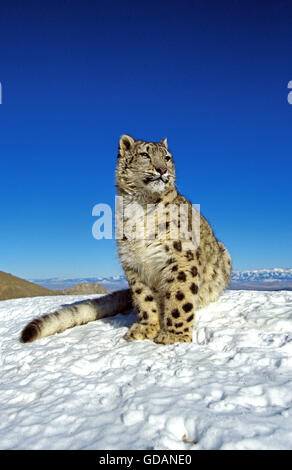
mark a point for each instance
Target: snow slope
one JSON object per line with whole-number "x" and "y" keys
{"x": 87, "y": 388}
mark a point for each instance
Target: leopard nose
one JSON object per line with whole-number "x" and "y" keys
{"x": 161, "y": 170}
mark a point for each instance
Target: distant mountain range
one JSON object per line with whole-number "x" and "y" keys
{"x": 111, "y": 283}
{"x": 277, "y": 274}
{"x": 15, "y": 287}
{"x": 260, "y": 279}
{"x": 12, "y": 287}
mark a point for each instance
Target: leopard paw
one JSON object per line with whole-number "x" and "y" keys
{"x": 165, "y": 337}
{"x": 141, "y": 331}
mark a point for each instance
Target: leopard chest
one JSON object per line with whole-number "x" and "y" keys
{"x": 147, "y": 257}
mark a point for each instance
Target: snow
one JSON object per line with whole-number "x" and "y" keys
{"x": 88, "y": 388}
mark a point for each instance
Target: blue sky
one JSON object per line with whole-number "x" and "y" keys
{"x": 210, "y": 76}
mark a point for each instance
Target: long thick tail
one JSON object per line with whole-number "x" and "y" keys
{"x": 77, "y": 314}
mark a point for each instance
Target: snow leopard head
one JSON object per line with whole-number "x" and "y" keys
{"x": 144, "y": 167}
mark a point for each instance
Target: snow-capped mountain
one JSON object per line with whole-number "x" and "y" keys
{"x": 260, "y": 279}
{"x": 263, "y": 275}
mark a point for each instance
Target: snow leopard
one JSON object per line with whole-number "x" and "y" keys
{"x": 170, "y": 277}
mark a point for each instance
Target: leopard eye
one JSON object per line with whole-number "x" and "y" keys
{"x": 167, "y": 158}
{"x": 144, "y": 154}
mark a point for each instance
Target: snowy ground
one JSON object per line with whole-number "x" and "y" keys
{"x": 87, "y": 388}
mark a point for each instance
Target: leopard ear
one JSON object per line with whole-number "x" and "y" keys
{"x": 126, "y": 142}
{"x": 164, "y": 142}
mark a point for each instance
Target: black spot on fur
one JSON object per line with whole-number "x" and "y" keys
{"x": 180, "y": 295}
{"x": 190, "y": 318}
{"x": 166, "y": 248}
{"x": 138, "y": 291}
{"x": 181, "y": 276}
{"x": 189, "y": 255}
{"x": 177, "y": 245}
{"x": 194, "y": 271}
{"x": 167, "y": 295}
{"x": 174, "y": 268}
{"x": 178, "y": 325}
{"x": 194, "y": 288}
{"x": 168, "y": 322}
{"x": 170, "y": 261}
{"x": 175, "y": 313}
{"x": 145, "y": 315}
{"x": 187, "y": 307}
{"x": 170, "y": 280}
{"x": 148, "y": 298}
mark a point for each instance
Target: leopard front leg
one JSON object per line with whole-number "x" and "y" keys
{"x": 180, "y": 303}
{"x": 147, "y": 309}
{"x": 178, "y": 321}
